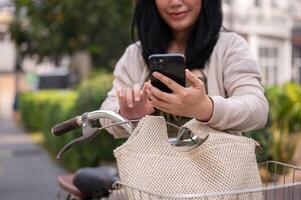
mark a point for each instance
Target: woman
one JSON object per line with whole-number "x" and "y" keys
{"x": 219, "y": 62}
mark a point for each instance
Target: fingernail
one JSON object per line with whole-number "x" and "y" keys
{"x": 131, "y": 105}
{"x": 155, "y": 73}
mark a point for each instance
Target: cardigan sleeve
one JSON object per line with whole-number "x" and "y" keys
{"x": 245, "y": 107}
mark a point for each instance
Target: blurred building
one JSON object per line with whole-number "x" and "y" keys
{"x": 272, "y": 28}
{"x": 269, "y": 26}
{"x": 296, "y": 40}
{"x": 7, "y": 47}
{"x": 34, "y": 74}
{"x": 7, "y": 61}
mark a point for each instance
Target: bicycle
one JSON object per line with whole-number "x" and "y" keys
{"x": 280, "y": 181}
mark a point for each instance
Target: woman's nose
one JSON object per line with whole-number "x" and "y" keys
{"x": 175, "y": 2}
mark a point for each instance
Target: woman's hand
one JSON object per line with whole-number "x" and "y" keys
{"x": 190, "y": 102}
{"x": 134, "y": 102}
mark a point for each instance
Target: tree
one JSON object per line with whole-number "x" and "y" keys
{"x": 54, "y": 28}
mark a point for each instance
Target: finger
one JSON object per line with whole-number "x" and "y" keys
{"x": 129, "y": 97}
{"x": 137, "y": 93}
{"x": 143, "y": 91}
{"x": 174, "y": 86}
{"x": 159, "y": 108}
{"x": 157, "y": 103}
{"x": 121, "y": 98}
{"x": 195, "y": 81}
{"x": 159, "y": 94}
{"x": 145, "y": 85}
{"x": 120, "y": 92}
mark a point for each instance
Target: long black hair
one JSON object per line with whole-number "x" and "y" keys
{"x": 155, "y": 35}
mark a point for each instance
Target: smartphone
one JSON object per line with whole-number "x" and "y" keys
{"x": 170, "y": 65}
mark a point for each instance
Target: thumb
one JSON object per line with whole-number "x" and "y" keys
{"x": 195, "y": 81}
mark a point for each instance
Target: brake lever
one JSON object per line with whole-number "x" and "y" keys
{"x": 88, "y": 132}
{"x": 68, "y": 146}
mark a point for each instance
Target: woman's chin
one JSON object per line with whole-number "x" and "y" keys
{"x": 180, "y": 27}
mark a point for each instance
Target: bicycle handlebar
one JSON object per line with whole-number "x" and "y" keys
{"x": 66, "y": 126}
{"x": 89, "y": 131}
{"x": 114, "y": 117}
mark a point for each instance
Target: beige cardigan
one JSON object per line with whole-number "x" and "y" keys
{"x": 233, "y": 81}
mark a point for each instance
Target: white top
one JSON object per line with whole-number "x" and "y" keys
{"x": 233, "y": 82}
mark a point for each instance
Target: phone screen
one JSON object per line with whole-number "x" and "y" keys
{"x": 170, "y": 65}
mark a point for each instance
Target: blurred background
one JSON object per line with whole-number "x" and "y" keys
{"x": 56, "y": 61}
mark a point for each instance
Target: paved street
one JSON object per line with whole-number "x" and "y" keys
{"x": 26, "y": 170}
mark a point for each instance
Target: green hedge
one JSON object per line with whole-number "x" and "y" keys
{"x": 278, "y": 137}
{"x": 34, "y": 107}
{"x": 41, "y": 110}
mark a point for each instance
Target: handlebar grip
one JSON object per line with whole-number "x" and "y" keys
{"x": 66, "y": 126}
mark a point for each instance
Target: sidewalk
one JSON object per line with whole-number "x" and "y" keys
{"x": 26, "y": 170}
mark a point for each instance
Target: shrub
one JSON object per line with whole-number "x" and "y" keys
{"x": 34, "y": 107}
{"x": 285, "y": 109}
{"x": 41, "y": 110}
{"x": 91, "y": 93}
{"x": 284, "y": 120}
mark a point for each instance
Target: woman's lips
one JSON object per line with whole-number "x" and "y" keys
{"x": 178, "y": 15}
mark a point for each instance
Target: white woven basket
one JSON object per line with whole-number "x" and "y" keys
{"x": 223, "y": 163}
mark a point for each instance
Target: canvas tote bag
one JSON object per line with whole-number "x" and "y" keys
{"x": 224, "y": 162}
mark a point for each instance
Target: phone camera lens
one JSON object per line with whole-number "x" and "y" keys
{"x": 160, "y": 63}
